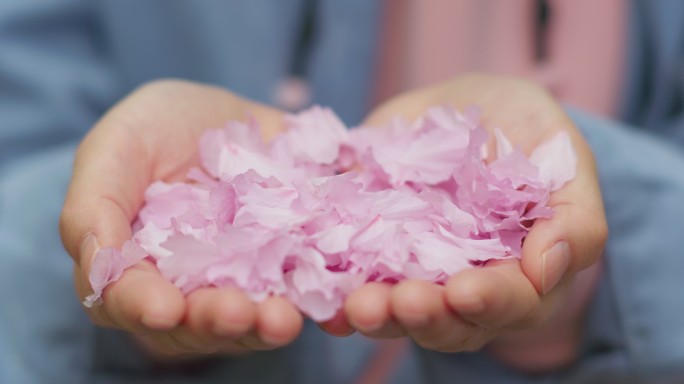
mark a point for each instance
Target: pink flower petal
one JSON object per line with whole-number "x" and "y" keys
{"x": 235, "y": 160}
{"x": 108, "y": 266}
{"x": 319, "y": 211}
{"x": 335, "y": 239}
{"x": 165, "y": 201}
{"x": 556, "y": 160}
{"x": 315, "y": 135}
{"x": 213, "y": 142}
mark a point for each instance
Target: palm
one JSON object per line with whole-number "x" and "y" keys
{"x": 504, "y": 295}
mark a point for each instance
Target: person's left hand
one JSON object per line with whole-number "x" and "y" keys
{"x": 478, "y": 305}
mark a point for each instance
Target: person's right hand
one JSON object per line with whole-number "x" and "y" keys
{"x": 152, "y": 135}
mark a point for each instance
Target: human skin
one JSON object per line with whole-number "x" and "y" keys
{"x": 152, "y": 135}
{"x": 526, "y": 311}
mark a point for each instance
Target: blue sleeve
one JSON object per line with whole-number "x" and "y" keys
{"x": 653, "y": 88}
{"x": 642, "y": 181}
{"x": 342, "y": 57}
{"x": 55, "y": 79}
{"x": 54, "y": 82}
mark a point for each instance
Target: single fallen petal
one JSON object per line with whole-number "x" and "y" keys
{"x": 108, "y": 266}
{"x": 213, "y": 141}
{"x": 556, "y": 160}
{"x": 315, "y": 135}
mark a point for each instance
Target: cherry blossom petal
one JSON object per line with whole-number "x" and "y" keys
{"x": 108, "y": 265}
{"x": 319, "y": 211}
{"x": 556, "y": 160}
{"x": 315, "y": 135}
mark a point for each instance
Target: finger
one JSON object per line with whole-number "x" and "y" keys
{"x": 498, "y": 295}
{"x": 220, "y": 312}
{"x": 98, "y": 210}
{"x": 368, "y": 310}
{"x": 226, "y": 321}
{"x": 570, "y": 241}
{"x": 215, "y": 319}
{"x": 555, "y": 343}
{"x": 100, "y": 205}
{"x": 278, "y": 323}
{"x": 154, "y": 304}
{"x": 420, "y": 309}
{"x": 96, "y": 314}
{"x": 574, "y": 237}
{"x": 105, "y": 193}
{"x": 143, "y": 300}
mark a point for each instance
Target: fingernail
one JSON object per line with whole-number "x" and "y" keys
{"x": 555, "y": 262}
{"x": 89, "y": 247}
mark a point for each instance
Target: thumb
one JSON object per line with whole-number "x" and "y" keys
{"x": 105, "y": 193}
{"x": 103, "y": 197}
{"x": 573, "y": 239}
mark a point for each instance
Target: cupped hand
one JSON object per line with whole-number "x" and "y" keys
{"x": 483, "y": 305}
{"x": 152, "y": 135}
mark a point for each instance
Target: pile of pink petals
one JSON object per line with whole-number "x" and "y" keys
{"x": 321, "y": 210}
